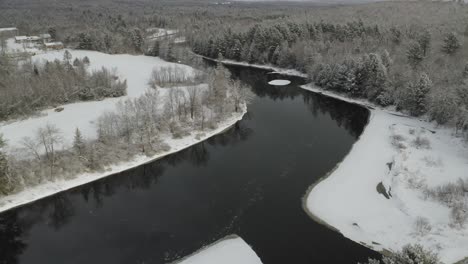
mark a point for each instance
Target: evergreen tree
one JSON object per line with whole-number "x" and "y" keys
{"x": 137, "y": 39}
{"x": 275, "y": 55}
{"x": 85, "y": 42}
{"x": 154, "y": 50}
{"x": 77, "y": 62}
{"x": 424, "y": 41}
{"x": 236, "y": 50}
{"x": 417, "y": 99}
{"x": 52, "y": 32}
{"x": 386, "y": 59}
{"x": 67, "y": 56}
{"x": 451, "y": 44}
{"x": 86, "y": 60}
{"x": 375, "y": 75}
{"x": 415, "y": 54}
{"x": 92, "y": 159}
{"x": 78, "y": 143}
{"x": 409, "y": 255}
{"x": 395, "y": 35}
{"x": 5, "y": 187}
{"x": 465, "y": 71}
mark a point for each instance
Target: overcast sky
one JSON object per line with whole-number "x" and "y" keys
{"x": 317, "y": 1}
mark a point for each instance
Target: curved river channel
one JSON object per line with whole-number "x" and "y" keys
{"x": 247, "y": 181}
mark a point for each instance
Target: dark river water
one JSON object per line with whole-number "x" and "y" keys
{"x": 248, "y": 181}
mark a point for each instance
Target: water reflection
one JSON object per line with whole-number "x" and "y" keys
{"x": 248, "y": 180}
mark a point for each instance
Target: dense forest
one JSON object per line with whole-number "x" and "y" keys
{"x": 416, "y": 65}
{"x": 407, "y": 55}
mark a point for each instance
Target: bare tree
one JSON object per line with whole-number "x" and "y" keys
{"x": 49, "y": 137}
{"x": 193, "y": 100}
{"x": 240, "y": 94}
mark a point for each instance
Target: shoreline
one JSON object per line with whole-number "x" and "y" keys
{"x": 283, "y": 71}
{"x": 392, "y": 234}
{"x": 48, "y": 189}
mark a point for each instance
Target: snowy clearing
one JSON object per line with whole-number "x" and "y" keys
{"x": 279, "y": 82}
{"x": 38, "y": 192}
{"x": 230, "y": 250}
{"x": 135, "y": 69}
{"x": 378, "y": 195}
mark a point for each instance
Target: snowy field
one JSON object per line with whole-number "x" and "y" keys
{"x": 135, "y": 69}
{"x": 378, "y": 197}
{"x": 231, "y": 250}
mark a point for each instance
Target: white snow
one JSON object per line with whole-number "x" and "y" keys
{"x": 35, "y": 193}
{"x": 8, "y": 29}
{"x": 231, "y": 250}
{"x": 279, "y": 82}
{"x": 135, "y": 69}
{"x": 348, "y": 199}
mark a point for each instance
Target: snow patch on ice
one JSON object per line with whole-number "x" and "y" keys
{"x": 231, "y": 250}
{"x": 279, "y": 82}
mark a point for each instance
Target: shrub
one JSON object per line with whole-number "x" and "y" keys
{"x": 421, "y": 143}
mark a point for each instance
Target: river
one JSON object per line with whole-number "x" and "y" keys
{"x": 247, "y": 181}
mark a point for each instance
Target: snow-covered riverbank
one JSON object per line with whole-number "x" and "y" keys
{"x": 47, "y": 189}
{"x": 230, "y": 250}
{"x": 274, "y": 69}
{"x": 379, "y": 195}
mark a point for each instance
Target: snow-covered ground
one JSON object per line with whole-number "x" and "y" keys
{"x": 135, "y": 69}
{"x": 376, "y": 195}
{"x": 231, "y": 250}
{"x": 279, "y": 82}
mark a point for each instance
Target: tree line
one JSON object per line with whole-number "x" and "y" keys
{"x": 418, "y": 69}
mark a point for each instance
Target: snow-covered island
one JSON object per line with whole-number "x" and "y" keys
{"x": 92, "y": 117}
{"x": 279, "y": 82}
{"x": 402, "y": 183}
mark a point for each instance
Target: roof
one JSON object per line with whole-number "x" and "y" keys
{"x": 21, "y": 38}
{"x": 8, "y": 29}
{"x": 45, "y": 35}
